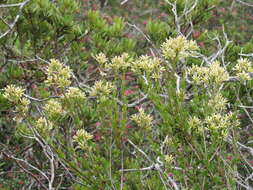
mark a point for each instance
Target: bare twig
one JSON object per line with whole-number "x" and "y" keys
{"x": 145, "y": 36}
{"x": 18, "y": 160}
{"x": 244, "y": 3}
{"x": 156, "y": 166}
{"x": 40, "y": 100}
{"x": 11, "y": 5}
{"x": 141, "y": 151}
{"x": 11, "y": 26}
{"x": 123, "y": 2}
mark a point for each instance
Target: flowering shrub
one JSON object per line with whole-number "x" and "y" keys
{"x": 175, "y": 117}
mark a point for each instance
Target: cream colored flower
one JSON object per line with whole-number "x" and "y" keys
{"x": 102, "y": 88}
{"x": 101, "y": 58}
{"x": 152, "y": 66}
{"x": 81, "y": 138}
{"x": 21, "y": 109}
{"x": 243, "y": 68}
{"x": 142, "y": 119}
{"x": 243, "y": 65}
{"x": 42, "y": 124}
{"x": 22, "y": 106}
{"x": 243, "y": 76}
{"x": 217, "y": 102}
{"x": 212, "y": 75}
{"x": 217, "y": 74}
{"x": 53, "y": 109}
{"x": 178, "y": 47}
{"x": 75, "y": 94}
{"x": 119, "y": 63}
{"x": 195, "y": 124}
{"x": 199, "y": 74}
{"x": 168, "y": 159}
{"x": 221, "y": 123}
{"x": 13, "y": 93}
{"x": 58, "y": 75}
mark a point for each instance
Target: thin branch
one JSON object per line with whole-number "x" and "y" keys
{"x": 246, "y": 55}
{"x": 11, "y": 5}
{"x": 40, "y": 100}
{"x": 145, "y": 36}
{"x": 141, "y": 151}
{"x": 123, "y": 2}
{"x": 242, "y": 146}
{"x": 28, "y": 164}
{"x": 244, "y": 3}
{"x": 11, "y": 26}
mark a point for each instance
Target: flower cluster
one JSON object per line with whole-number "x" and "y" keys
{"x": 53, "y": 109}
{"x": 22, "y": 109}
{"x": 102, "y": 88}
{"x": 74, "y": 94}
{"x": 22, "y": 106}
{"x": 43, "y": 125}
{"x": 195, "y": 124}
{"x": 168, "y": 159}
{"x": 117, "y": 63}
{"x": 101, "y": 58}
{"x": 120, "y": 63}
{"x": 58, "y": 75}
{"x": 14, "y": 94}
{"x": 212, "y": 75}
{"x": 216, "y": 123}
{"x": 217, "y": 102}
{"x": 151, "y": 66}
{"x": 243, "y": 68}
{"x": 179, "y": 48}
{"x": 142, "y": 119}
{"x": 220, "y": 123}
{"x": 81, "y": 138}
{"x": 168, "y": 140}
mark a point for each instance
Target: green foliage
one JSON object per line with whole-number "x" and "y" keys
{"x": 111, "y": 105}
{"x": 157, "y": 30}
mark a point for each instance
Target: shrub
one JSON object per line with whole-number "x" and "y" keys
{"x": 92, "y": 110}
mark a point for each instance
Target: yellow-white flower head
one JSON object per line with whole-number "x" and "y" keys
{"x": 81, "y": 138}
{"x": 102, "y": 88}
{"x": 178, "y": 47}
{"x": 42, "y": 124}
{"x": 142, "y": 119}
{"x": 58, "y": 75}
{"x": 53, "y": 109}
{"x": 75, "y": 94}
{"x": 13, "y": 93}
{"x": 217, "y": 73}
{"x": 22, "y": 106}
{"x": 150, "y": 65}
{"x": 168, "y": 159}
{"x": 217, "y": 102}
{"x": 195, "y": 123}
{"x": 21, "y": 109}
{"x": 119, "y": 63}
{"x": 101, "y": 58}
{"x": 243, "y": 68}
{"x": 212, "y": 75}
{"x": 221, "y": 123}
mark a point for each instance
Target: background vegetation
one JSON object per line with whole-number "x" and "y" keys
{"x": 137, "y": 94}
